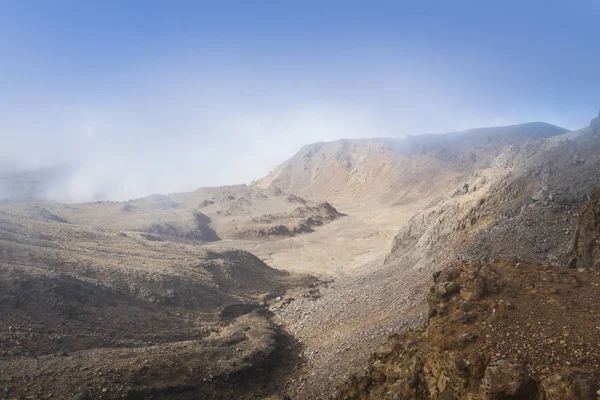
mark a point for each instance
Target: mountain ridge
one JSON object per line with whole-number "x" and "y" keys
{"x": 347, "y": 169}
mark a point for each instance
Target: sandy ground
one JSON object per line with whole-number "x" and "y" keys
{"x": 348, "y": 247}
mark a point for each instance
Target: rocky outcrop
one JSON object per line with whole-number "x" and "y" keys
{"x": 308, "y": 217}
{"x": 199, "y": 230}
{"x": 524, "y": 205}
{"x": 206, "y": 203}
{"x": 585, "y": 245}
{"x": 301, "y": 220}
{"x": 498, "y": 330}
{"x": 257, "y": 232}
{"x": 504, "y": 379}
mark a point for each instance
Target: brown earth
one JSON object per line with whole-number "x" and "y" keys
{"x": 498, "y": 330}
{"x": 585, "y": 245}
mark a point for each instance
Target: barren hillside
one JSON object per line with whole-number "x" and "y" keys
{"x": 91, "y": 313}
{"x": 524, "y": 205}
{"x": 396, "y": 171}
{"x": 528, "y": 208}
{"x": 205, "y": 215}
{"x": 500, "y": 329}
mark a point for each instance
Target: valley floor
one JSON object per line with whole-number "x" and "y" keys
{"x": 361, "y": 302}
{"x": 347, "y": 247}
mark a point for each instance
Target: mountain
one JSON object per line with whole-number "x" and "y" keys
{"x": 268, "y": 291}
{"x": 383, "y": 295}
{"x": 523, "y": 205}
{"x": 396, "y": 171}
{"x": 508, "y": 313}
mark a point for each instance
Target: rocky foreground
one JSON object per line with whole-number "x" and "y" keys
{"x": 498, "y": 330}
{"x": 88, "y": 313}
{"x": 502, "y": 329}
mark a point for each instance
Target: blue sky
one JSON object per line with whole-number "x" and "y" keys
{"x": 162, "y": 96}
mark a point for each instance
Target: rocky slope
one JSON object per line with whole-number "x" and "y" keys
{"x": 301, "y": 220}
{"x": 355, "y": 311}
{"x": 524, "y": 205}
{"x": 205, "y": 215}
{"x": 585, "y": 245}
{"x": 395, "y": 171}
{"x": 511, "y": 320}
{"x": 94, "y": 313}
{"x": 497, "y": 330}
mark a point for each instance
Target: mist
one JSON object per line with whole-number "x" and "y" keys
{"x": 177, "y": 135}
{"x": 125, "y": 113}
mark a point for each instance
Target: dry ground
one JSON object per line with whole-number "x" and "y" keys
{"x": 349, "y": 246}
{"x": 330, "y": 328}
{"x": 362, "y": 303}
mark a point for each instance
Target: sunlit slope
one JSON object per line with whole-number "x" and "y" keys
{"x": 396, "y": 171}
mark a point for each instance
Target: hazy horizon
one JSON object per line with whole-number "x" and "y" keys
{"x": 152, "y": 97}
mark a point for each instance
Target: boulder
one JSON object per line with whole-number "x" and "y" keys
{"x": 569, "y": 385}
{"x": 206, "y": 203}
{"x": 504, "y": 379}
